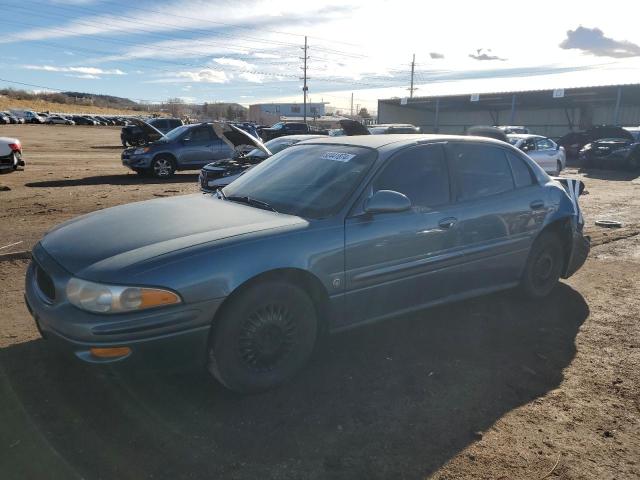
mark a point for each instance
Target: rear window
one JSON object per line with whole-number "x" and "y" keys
{"x": 481, "y": 171}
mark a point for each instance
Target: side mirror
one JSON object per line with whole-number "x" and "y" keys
{"x": 387, "y": 201}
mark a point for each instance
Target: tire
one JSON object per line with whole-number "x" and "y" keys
{"x": 163, "y": 167}
{"x": 544, "y": 265}
{"x": 558, "y": 168}
{"x": 263, "y": 337}
{"x": 143, "y": 172}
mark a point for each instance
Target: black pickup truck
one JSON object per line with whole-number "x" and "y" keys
{"x": 281, "y": 129}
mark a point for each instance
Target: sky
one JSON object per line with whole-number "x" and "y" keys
{"x": 250, "y": 51}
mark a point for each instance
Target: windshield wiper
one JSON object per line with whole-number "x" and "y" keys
{"x": 249, "y": 201}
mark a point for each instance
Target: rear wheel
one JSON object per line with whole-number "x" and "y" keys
{"x": 163, "y": 167}
{"x": 544, "y": 266}
{"x": 263, "y": 337}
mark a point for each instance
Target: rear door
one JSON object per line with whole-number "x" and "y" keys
{"x": 499, "y": 210}
{"x": 397, "y": 261}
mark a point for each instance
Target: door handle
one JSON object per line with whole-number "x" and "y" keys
{"x": 447, "y": 223}
{"x": 536, "y": 205}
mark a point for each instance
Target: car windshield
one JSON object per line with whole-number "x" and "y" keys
{"x": 276, "y": 145}
{"x": 312, "y": 181}
{"x": 176, "y": 132}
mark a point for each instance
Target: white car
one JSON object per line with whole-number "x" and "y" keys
{"x": 57, "y": 119}
{"x": 10, "y": 154}
{"x": 542, "y": 150}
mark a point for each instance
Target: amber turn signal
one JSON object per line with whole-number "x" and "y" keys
{"x": 110, "y": 352}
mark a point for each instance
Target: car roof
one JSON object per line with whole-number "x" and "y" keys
{"x": 523, "y": 135}
{"x": 398, "y": 140}
{"x": 301, "y": 137}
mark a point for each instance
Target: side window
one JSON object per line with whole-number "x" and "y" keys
{"x": 544, "y": 144}
{"x": 521, "y": 172}
{"x": 199, "y": 135}
{"x": 420, "y": 173}
{"x": 161, "y": 125}
{"x": 481, "y": 170}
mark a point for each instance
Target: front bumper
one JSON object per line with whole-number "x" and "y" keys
{"x": 131, "y": 160}
{"x": 169, "y": 336}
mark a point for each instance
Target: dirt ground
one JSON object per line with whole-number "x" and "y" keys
{"x": 496, "y": 387}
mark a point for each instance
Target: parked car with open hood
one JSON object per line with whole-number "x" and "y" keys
{"x": 611, "y": 153}
{"x": 221, "y": 173}
{"x": 544, "y": 151}
{"x": 325, "y": 235}
{"x": 10, "y": 154}
{"x": 138, "y": 133}
{"x": 574, "y": 141}
{"x": 188, "y": 147}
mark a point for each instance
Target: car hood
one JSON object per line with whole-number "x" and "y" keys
{"x": 236, "y": 137}
{"x": 107, "y": 243}
{"x": 353, "y": 128}
{"x": 147, "y": 128}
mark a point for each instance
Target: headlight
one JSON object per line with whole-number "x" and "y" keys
{"x": 586, "y": 147}
{"x": 140, "y": 151}
{"x": 99, "y": 298}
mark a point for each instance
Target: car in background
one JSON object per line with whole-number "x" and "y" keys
{"x": 187, "y": 147}
{"x": 574, "y": 141}
{"x": 282, "y": 129}
{"x": 28, "y": 116}
{"x": 221, "y": 173}
{"x": 391, "y": 128}
{"x": 12, "y": 118}
{"x": 10, "y": 154}
{"x": 635, "y": 131}
{"x": 507, "y": 129}
{"x": 135, "y": 134}
{"x": 59, "y": 120}
{"x": 4, "y": 119}
{"x": 327, "y": 235}
{"x": 611, "y": 153}
{"x": 544, "y": 151}
{"x": 82, "y": 120}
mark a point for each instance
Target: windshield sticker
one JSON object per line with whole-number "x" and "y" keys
{"x": 337, "y": 156}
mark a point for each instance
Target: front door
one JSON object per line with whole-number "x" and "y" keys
{"x": 197, "y": 147}
{"x": 397, "y": 261}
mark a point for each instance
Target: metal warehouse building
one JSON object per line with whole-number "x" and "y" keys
{"x": 546, "y": 112}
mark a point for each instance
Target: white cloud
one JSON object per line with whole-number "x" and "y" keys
{"x": 252, "y": 77}
{"x": 206, "y": 75}
{"x": 233, "y": 62}
{"x": 83, "y": 70}
{"x": 87, "y": 76}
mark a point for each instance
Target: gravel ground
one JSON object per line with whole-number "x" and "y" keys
{"x": 496, "y": 387}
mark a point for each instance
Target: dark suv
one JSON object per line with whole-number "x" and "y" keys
{"x": 134, "y": 135}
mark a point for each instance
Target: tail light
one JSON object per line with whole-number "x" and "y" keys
{"x": 15, "y": 147}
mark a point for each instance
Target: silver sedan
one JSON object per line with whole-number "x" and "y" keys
{"x": 542, "y": 150}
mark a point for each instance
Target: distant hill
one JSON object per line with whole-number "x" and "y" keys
{"x": 73, "y": 100}
{"x": 102, "y": 99}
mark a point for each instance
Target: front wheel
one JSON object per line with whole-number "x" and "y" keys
{"x": 163, "y": 167}
{"x": 544, "y": 266}
{"x": 263, "y": 337}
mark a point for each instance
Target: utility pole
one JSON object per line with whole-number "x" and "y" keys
{"x": 304, "y": 87}
{"x": 352, "y": 104}
{"x": 413, "y": 66}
